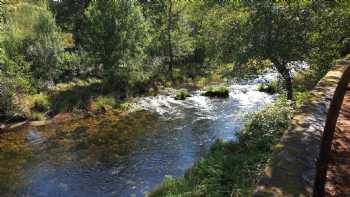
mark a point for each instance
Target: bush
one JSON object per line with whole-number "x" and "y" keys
{"x": 33, "y": 38}
{"x": 39, "y": 102}
{"x": 12, "y": 82}
{"x": 75, "y": 65}
{"x": 68, "y": 97}
{"x": 102, "y": 103}
{"x": 267, "y": 124}
{"x": 182, "y": 94}
{"x": 271, "y": 87}
{"x": 6, "y": 97}
{"x": 217, "y": 91}
{"x": 300, "y": 98}
{"x": 44, "y": 49}
{"x": 233, "y": 168}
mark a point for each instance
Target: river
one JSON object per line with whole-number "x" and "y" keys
{"x": 122, "y": 154}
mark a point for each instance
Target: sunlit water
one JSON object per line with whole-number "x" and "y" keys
{"x": 122, "y": 155}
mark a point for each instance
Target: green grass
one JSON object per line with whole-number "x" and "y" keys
{"x": 233, "y": 168}
{"x": 217, "y": 91}
{"x": 182, "y": 94}
{"x": 35, "y": 106}
{"x": 40, "y": 102}
{"x": 102, "y": 103}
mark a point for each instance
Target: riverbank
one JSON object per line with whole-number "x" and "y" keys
{"x": 127, "y": 154}
{"x": 233, "y": 168}
{"x": 83, "y": 98}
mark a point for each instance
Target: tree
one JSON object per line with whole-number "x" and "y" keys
{"x": 171, "y": 30}
{"x": 32, "y": 38}
{"x": 44, "y": 49}
{"x": 330, "y": 39}
{"x": 277, "y": 31}
{"x": 69, "y": 15}
{"x": 114, "y": 34}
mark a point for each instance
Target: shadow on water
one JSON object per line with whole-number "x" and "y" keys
{"x": 121, "y": 154}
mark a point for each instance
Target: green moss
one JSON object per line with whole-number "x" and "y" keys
{"x": 217, "y": 91}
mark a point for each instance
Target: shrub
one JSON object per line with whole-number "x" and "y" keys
{"x": 269, "y": 87}
{"x": 39, "y": 102}
{"x": 102, "y": 103}
{"x": 233, "y": 168}
{"x": 33, "y": 38}
{"x": 75, "y": 65}
{"x": 267, "y": 124}
{"x": 182, "y": 94}
{"x": 300, "y": 98}
{"x": 12, "y": 82}
{"x": 6, "y": 97}
{"x": 217, "y": 91}
{"x": 68, "y": 97}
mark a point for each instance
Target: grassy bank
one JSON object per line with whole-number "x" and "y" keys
{"x": 233, "y": 168}
{"x": 92, "y": 96}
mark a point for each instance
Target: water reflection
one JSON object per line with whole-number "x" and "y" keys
{"x": 120, "y": 154}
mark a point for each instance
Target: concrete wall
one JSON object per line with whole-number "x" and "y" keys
{"x": 292, "y": 169}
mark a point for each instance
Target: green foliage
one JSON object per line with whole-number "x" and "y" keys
{"x": 329, "y": 38}
{"x": 135, "y": 45}
{"x": 34, "y": 107}
{"x": 43, "y": 50}
{"x": 12, "y": 83}
{"x": 39, "y": 102}
{"x": 102, "y": 103}
{"x": 266, "y": 124}
{"x": 182, "y": 94}
{"x": 270, "y": 87}
{"x": 114, "y": 35}
{"x": 233, "y": 168}
{"x": 171, "y": 30}
{"x": 7, "y": 94}
{"x": 33, "y": 43}
{"x": 74, "y": 96}
{"x": 217, "y": 91}
{"x": 69, "y": 14}
{"x": 300, "y": 98}
{"x": 220, "y": 29}
{"x": 77, "y": 65}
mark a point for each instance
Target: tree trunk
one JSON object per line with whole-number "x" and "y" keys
{"x": 288, "y": 85}
{"x": 169, "y": 29}
{"x": 287, "y": 79}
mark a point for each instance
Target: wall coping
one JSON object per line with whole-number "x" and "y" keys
{"x": 292, "y": 169}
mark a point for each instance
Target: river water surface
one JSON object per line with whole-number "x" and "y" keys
{"x": 121, "y": 154}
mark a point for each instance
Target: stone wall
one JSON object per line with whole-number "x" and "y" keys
{"x": 292, "y": 169}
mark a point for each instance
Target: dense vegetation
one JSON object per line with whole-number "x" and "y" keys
{"x": 90, "y": 55}
{"x": 119, "y": 48}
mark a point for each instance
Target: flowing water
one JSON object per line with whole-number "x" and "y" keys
{"x": 122, "y": 154}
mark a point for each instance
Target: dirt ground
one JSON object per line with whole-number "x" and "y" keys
{"x": 338, "y": 175}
